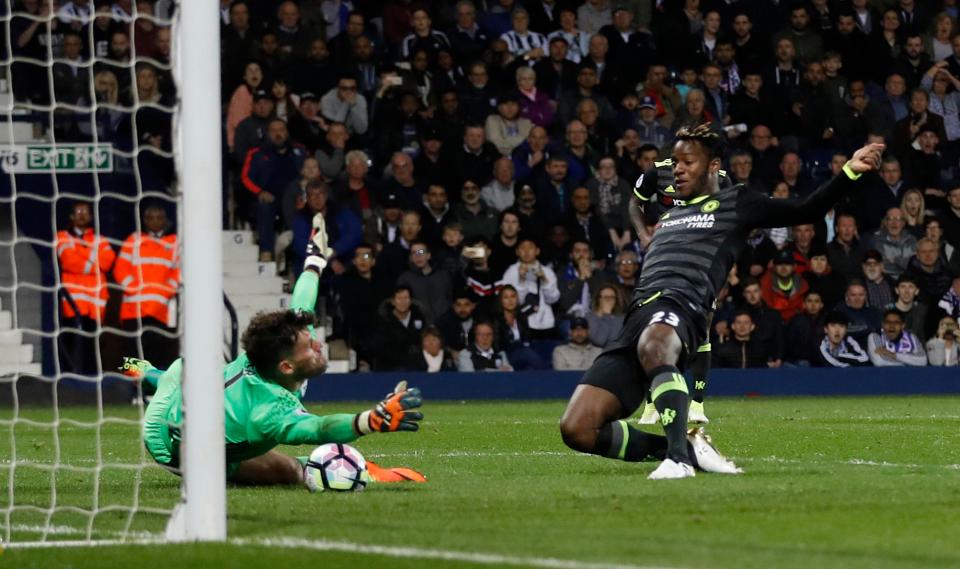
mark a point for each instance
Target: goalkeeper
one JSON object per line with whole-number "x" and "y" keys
{"x": 262, "y": 390}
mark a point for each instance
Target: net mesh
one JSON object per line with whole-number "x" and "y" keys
{"x": 90, "y": 125}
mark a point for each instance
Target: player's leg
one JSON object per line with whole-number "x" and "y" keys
{"x": 594, "y": 421}
{"x": 659, "y": 349}
{"x": 699, "y": 370}
{"x": 272, "y": 468}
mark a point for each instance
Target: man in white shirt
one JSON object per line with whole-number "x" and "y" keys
{"x": 536, "y": 286}
{"x": 579, "y": 353}
{"x": 895, "y": 346}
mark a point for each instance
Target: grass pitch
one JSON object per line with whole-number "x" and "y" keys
{"x": 842, "y": 482}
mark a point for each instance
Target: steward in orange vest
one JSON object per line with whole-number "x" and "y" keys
{"x": 149, "y": 271}
{"x": 85, "y": 258}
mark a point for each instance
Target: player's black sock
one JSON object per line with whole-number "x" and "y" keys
{"x": 621, "y": 441}
{"x": 670, "y": 395}
{"x": 699, "y": 369}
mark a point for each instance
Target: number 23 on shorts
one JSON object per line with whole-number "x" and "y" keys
{"x": 668, "y": 318}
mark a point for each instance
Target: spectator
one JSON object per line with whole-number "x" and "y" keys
{"x": 291, "y": 35}
{"x": 475, "y": 159}
{"x": 402, "y": 183}
{"x": 480, "y": 354}
{"x": 477, "y": 96}
{"x": 507, "y": 129}
{"x": 768, "y": 325}
{"x": 70, "y": 78}
{"x": 586, "y": 88}
{"x": 914, "y": 313}
{"x": 332, "y": 152}
{"x": 252, "y": 131}
{"x": 344, "y": 104}
{"x": 743, "y": 349}
{"x": 606, "y": 318}
{"x": 467, "y": 40}
{"x": 476, "y": 218}
{"x": 423, "y": 37}
{"x": 455, "y": 324}
{"x": 394, "y": 259}
{"x": 362, "y": 289}
{"x": 554, "y": 190}
{"x": 766, "y": 155}
{"x": 514, "y": 332}
{"x": 241, "y": 102}
{"x": 609, "y": 195}
{"x": 942, "y": 350}
{"x": 593, "y": 15}
{"x": 837, "y": 349}
{"x": 435, "y": 213}
{"x": 650, "y": 129}
{"x": 557, "y": 73}
{"x": 626, "y": 268}
{"x": 581, "y": 158}
{"x": 341, "y": 37}
{"x": 499, "y": 193}
{"x": 879, "y": 286}
{"x": 823, "y": 279}
{"x": 934, "y": 232}
{"x": 950, "y": 302}
{"x": 401, "y": 321}
{"x": 578, "y": 353}
{"x": 448, "y": 255}
{"x": 526, "y": 208}
{"x": 928, "y": 271}
{"x": 912, "y": 62}
{"x": 845, "y": 252}
{"x": 307, "y": 126}
{"x": 861, "y": 317}
{"x": 950, "y": 217}
{"x": 894, "y": 244}
{"x": 579, "y": 281}
{"x": 267, "y": 172}
{"x": 522, "y": 43}
{"x": 575, "y": 40}
{"x": 804, "y": 331}
{"x": 536, "y": 285}
{"x": 432, "y": 289}
{"x": 895, "y": 346}
{"x": 343, "y": 228}
{"x": 783, "y": 289}
{"x": 482, "y": 281}
{"x": 529, "y": 159}
{"x": 433, "y": 161}
{"x": 148, "y": 269}
{"x": 756, "y": 255}
{"x": 535, "y": 104}
{"x": 914, "y": 211}
{"x": 432, "y": 357}
{"x": 85, "y": 259}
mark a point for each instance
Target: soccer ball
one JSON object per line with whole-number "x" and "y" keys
{"x": 337, "y": 467}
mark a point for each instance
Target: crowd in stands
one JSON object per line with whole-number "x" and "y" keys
{"x": 474, "y": 160}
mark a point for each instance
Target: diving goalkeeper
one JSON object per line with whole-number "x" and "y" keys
{"x": 262, "y": 390}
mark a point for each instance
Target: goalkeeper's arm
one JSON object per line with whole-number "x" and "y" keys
{"x": 292, "y": 425}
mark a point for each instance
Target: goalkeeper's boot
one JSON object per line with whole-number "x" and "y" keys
{"x": 695, "y": 414}
{"x": 650, "y": 415}
{"x": 669, "y": 469}
{"x": 707, "y": 457}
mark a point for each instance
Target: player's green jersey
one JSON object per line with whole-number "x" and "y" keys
{"x": 260, "y": 414}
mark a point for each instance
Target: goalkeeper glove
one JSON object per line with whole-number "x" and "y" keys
{"x": 318, "y": 251}
{"x": 141, "y": 370}
{"x": 393, "y": 413}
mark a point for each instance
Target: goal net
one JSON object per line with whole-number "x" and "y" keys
{"x": 100, "y": 240}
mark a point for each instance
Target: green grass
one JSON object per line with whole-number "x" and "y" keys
{"x": 843, "y": 482}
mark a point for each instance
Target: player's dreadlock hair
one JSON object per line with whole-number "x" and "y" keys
{"x": 271, "y": 336}
{"x": 708, "y": 138}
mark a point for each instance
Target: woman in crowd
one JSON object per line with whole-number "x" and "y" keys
{"x": 606, "y": 318}
{"x": 914, "y": 211}
{"x": 241, "y": 102}
{"x": 513, "y": 333}
{"x": 943, "y": 350}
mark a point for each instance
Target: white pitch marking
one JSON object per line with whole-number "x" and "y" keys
{"x": 366, "y": 549}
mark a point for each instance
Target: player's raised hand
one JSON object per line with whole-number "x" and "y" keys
{"x": 318, "y": 250}
{"x": 394, "y": 413}
{"x": 868, "y": 158}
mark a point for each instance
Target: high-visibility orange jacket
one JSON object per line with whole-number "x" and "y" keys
{"x": 148, "y": 269}
{"x": 84, "y": 262}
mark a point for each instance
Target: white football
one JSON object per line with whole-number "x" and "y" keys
{"x": 336, "y": 467}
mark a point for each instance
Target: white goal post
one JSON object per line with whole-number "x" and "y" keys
{"x": 197, "y": 64}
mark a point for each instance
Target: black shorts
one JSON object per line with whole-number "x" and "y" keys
{"x": 618, "y": 369}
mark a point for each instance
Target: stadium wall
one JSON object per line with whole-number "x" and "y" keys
{"x": 723, "y": 382}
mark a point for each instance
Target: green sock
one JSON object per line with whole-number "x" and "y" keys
{"x": 670, "y": 395}
{"x": 621, "y": 441}
{"x": 700, "y": 369}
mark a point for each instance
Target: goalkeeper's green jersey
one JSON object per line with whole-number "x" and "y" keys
{"x": 260, "y": 414}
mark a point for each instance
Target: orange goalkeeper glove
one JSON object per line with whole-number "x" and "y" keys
{"x": 393, "y": 413}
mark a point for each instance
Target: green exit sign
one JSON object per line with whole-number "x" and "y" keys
{"x": 59, "y": 158}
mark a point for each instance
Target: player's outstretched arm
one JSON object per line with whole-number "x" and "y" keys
{"x": 758, "y": 210}
{"x": 394, "y": 413}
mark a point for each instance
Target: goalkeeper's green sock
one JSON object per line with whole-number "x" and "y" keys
{"x": 621, "y": 441}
